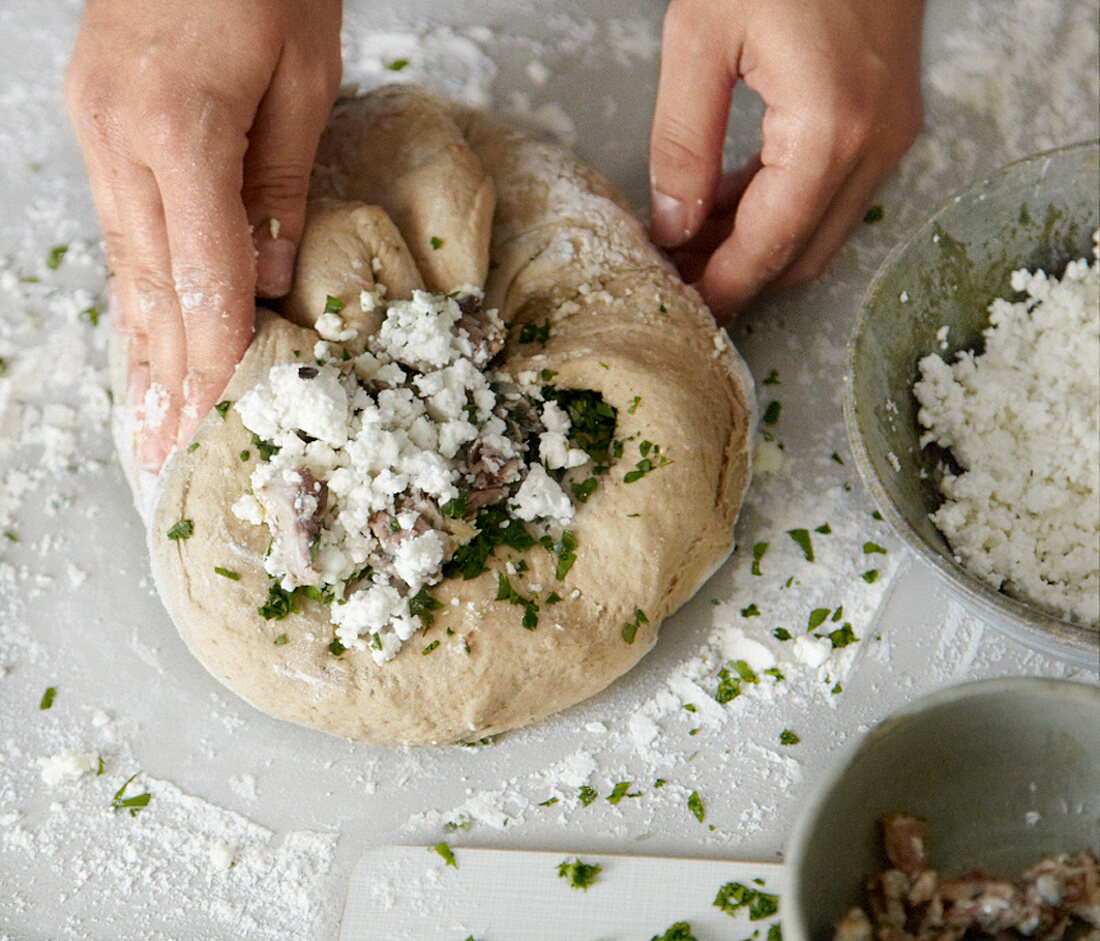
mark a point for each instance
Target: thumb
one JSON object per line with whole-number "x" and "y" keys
{"x": 689, "y": 122}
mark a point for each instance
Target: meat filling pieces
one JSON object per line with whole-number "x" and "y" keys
{"x": 911, "y": 902}
{"x": 379, "y": 463}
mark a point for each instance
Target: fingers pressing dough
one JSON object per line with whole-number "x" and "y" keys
{"x": 398, "y": 148}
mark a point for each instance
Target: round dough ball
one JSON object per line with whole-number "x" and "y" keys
{"x": 553, "y": 246}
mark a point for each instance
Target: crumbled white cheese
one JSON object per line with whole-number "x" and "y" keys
{"x": 540, "y": 496}
{"x": 1023, "y": 420}
{"x": 67, "y": 766}
{"x": 365, "y": 452}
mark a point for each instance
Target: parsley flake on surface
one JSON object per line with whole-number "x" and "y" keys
{"x": 771, "y": 413}
{"x": 549, "y": 802}
{"x": 587, "y": 794}
{"x": 48, "y": 697}
{"x": 448, "y": 855}
{"x": 802, "y": 537}
{"x": 836, "y": 457}
{"x": 817, "y": 617}
{"x": 751, "y": 611}
{"x": 872, "y": 547}
{"x": 227, "y": 573}
{"x": 781, "y": 633}
{"x": 870, "y": 576}
{"x": 579, "y": 875}
{"x": 757, "y": 555}
{"x": 771, "y": 379}
{"x": 333, "y": 305}
{"x": 53, "y": 260}
{"x": 437, "y": 242}
{"x": 842, "y": 636}
{"x": 733, "y": 897}
{"x": 397, "y": 65}
{"x": 787, "y": 737}
{"x": 427, "y": 650}
{"x": 681, "y": 931}
{"x": 633, "y": 406}
{"x": 90, "y": 315}
{"x": 132, "y": 804}
{"x": 825, "y": 529}
{"x": 280, "y": 640}
{"x": 695, "y": 805}
{"x": 618, "y": 792}
{"x": 222, "y": 408}
{"x": 184, "y": 529}
{"x": 874, "y": 214}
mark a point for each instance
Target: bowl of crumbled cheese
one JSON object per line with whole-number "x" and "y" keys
{"x": 972, "y": 399}
{"x": 971, "y": 811}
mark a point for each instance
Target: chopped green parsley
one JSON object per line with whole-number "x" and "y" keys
{"x": 802, "y": 537}
{"x": 733, "y": 897}
{"x": 787, "y": 737}
{"x": 222, "y": 408}
{"x": 870, "y": 576}
{"x": 579, "y": 875}
{"x": 448, "y": 855}
{"x": 681, "y": 931}
{"x": 53, "y": 260}
{"x": 771, "y": 379}
{"x": 771, "y": 413}
{"x": 427, "y": 650}
{"x": 630, "y": 629}
{"x": 587, "y": 794}
{"x": 280, "y": 640}
{"x": 695, "y": 805}
{"x": 437, "y": 242}
{"x": 48, "y": 697}
{"x": 397, "y": 65}
{"x": 751, "y": 611}
{"x": 781, "y": 633}
{"x": 535, "y": 333}
{"x": 757, "y": 555}
{"x": 132, "y": 804}
{"x": 817, "y": 617}
{"x": 279, "y": 604}
{"x": 182, "y": 530}
{"x": 227, "y": 573}
{"x": 872, "y": 547}
{"x": 874, "y": 214}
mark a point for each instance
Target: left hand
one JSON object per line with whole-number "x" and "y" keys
{"x": 840, "y": 80}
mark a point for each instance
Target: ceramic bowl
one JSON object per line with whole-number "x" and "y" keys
{"x": 1037, "y": 213}
{"x": 1003, "y": 771}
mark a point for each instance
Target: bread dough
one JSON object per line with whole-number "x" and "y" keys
{"x": 551, "y": 243}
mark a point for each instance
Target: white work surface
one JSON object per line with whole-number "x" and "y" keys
{"x": 253, "y": 826}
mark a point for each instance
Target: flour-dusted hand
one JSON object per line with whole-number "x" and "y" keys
{"x": 840, "y": 80}
{"x": 198, "y": 122}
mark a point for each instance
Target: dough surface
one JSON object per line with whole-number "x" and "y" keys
{"x": 550, "y": 242}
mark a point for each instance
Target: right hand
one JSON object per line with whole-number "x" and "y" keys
{"x": 198, "y": 122}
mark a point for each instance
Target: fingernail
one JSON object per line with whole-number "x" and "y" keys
{"x": 669, "y": 225}
{"x": 274, "y": 267}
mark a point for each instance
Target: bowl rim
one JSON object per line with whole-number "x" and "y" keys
{"x": 793, "y": 925}
{"x": 1069, "y": 641}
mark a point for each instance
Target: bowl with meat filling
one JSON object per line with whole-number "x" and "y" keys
{"x": 975, "y": 811}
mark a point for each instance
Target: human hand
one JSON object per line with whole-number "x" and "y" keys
{"x": 840, "y": 80}
{"x": 198, "y": 122}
